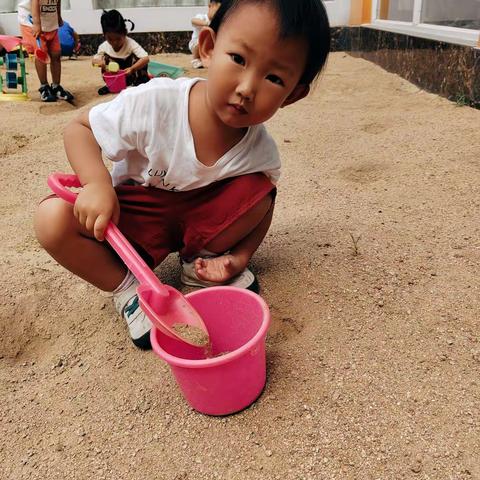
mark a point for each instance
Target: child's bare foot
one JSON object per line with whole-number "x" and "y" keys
{"x": 226, "y": 269}
{"x": 219, "y": 269}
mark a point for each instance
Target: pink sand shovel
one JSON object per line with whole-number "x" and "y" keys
{"x": 39, "y": 53}
{"x": 165, "y": 306}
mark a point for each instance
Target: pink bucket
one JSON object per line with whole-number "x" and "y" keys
{"x": 116, "y": 82}
{"x": 237, "y": 321}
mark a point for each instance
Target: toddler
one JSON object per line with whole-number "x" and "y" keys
{"x": 198, "y": 22}
{"x": 40, "y": 19}
{"x": 69, "y": 41}
{"x": 194, "y": 169}
{"x": 120, "y": 48}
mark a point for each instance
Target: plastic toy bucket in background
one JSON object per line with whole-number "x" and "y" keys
{"x": 237, "y": 321}
{"x": 116, "y": 82}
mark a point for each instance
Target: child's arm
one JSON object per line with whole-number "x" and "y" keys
{"x": 76, "y": 41}
{"x": 59, "y": 13}
{"x": 100, "y": 58}
{"x": 198, "y": 22}
{"x": 140, "y": 53}
{"x": 97, "y": 202}
{"x": 140, "y": 63}
{"x": 37, "y": 27}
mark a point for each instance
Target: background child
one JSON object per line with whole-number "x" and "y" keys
{"x": 198, "y": 22}
{"x": 194, "y": 167}
{"x": 118, "y": 47}
{"x": 69, "y": 41}
{"x": 40, "y": 19}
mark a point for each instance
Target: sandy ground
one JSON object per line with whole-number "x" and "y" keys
{"x": 371, "y": 272}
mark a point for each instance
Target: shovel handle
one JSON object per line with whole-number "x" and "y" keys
{"x": 60, "y": 184}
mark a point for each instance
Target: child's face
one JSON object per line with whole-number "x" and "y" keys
{"x": 212, "y": 9}
{"x": 116, "y": 40}
{"x": 252, "y": 72}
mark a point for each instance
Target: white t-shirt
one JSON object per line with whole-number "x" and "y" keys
{"x": 196, "y": 30}
{"x": 48, "y": 14}
{"x": 146, "y": 133}
{"x": 130, "y": 46}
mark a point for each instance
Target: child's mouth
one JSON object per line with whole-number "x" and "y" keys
{"x": 238, "y": 108}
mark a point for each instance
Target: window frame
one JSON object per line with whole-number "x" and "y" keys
{"x": 460, "y": 36}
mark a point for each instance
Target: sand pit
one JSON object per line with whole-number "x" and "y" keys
{"x": 371, "y": 272}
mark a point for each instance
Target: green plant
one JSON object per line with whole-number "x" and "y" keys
{"x": 355, "y": 241}
{"x": 461, "y": 100}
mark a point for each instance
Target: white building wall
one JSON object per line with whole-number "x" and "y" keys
{"x": 86, "y": 20}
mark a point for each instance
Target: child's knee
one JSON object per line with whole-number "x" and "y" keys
{"x": 265, "y": 204}
{"x": 52, "y": 222}
{"x": 55, "y": 56}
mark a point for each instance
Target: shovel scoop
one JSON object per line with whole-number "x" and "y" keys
{"x": 168, "y": 310}
{"x": 40, "y": 54}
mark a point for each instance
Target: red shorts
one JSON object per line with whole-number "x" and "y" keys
{"x": 49, "y": 41}
{"x": 158, "y": 222}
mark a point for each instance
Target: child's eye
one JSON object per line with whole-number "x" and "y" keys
{"x": 237, "y": 58}
{"x": 275, "y": 79}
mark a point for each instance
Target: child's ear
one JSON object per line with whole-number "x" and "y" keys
{"x": 206, "y": 43}
{"x": 299, "y": 92}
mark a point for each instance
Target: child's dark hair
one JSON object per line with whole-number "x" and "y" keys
{"x": 113, "y": 22}
{"x": 304, "y": 18}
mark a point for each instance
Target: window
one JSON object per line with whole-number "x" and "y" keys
{"x": 107, "y": 4}
{"x": 8, "y": 6}
{"x": 457, "y": 13}
{"x": 399, "y": 10}
{"x": 450, "y": 21}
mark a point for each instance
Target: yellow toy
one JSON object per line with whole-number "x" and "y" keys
{"x": 111, "y": 67}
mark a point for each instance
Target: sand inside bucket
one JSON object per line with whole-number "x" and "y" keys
{"x": 198, "y": 337}
{"x": 192, "y": 334}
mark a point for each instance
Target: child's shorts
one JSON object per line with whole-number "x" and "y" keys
{"x": 158, "y": 222}
{"x": 49, "y": 41}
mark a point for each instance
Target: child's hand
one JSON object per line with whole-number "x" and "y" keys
{"x": 36, "y": 29}
{"x": 99, "y": 61}
{"x": 128, "y": 70}
{"x": 95, "y": 206}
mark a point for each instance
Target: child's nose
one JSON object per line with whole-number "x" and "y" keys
{"x": 247, "y": 87}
